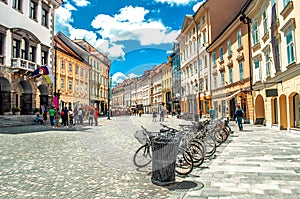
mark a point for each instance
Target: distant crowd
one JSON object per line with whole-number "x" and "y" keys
{"x": 68, "y": 117}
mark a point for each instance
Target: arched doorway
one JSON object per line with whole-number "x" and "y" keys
{"x": 43, "y": 95}
{"x": 294, "y": 101}
{"x": 283, "y": 112}
{"x": 259, "y": 110}
{"x": 5, "y": 96}
{"x": 26, "y": 98}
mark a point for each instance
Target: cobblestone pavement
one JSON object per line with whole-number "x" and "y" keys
{"x": 96, "y": 162}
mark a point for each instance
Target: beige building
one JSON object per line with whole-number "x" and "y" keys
{"x": 275, "y": 62}
{"x": 167, "y": 85}
{"x": 230, "y": 71}
{"x": 72, "y": 76}
{"x": 156, "y": 98}
{"x": 98, "y": 75}
{"x": 196, "y": 34}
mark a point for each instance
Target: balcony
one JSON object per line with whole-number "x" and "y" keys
{"x": 18, "y": 63}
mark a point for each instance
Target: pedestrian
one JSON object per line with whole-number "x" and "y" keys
{"x": 154, "y": 116}
{"x": 162, "y": 115}
{"x": 75, "y": 112}
{"x": 52, "y": 115}
{"x": 96, "y": 115}
{"x": 200, "y": 113}
{"x": 140, "y": 112}
{"x": 71, "y": 117}
{"x": 239, "y": 116}
{"x": 80, "y": 116}
{"x": 65, "y": 116}
{"x": 212, "y": 113}
{"x": 57, "y": 117}
{"x": 91, "y": 116}
{"x": 38, "y": 119}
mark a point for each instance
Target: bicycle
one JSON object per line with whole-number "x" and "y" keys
{"x": 143, "y": 156}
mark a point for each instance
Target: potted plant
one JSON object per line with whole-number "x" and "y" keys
{"x": 16, "y": 111}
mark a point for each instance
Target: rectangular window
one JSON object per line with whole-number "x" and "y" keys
{"x": 221, "y": 54}
{"x": 255, "y": 33}
{"x": 290, "y": 47}
{"x": 239, "y": 38}
{"x": 230, "y": 76}
{"x": 222, "y": 79}
{"x": 70, "y": 67}
{"x": 62, "y": 83}
{"x": 44, "y": 58}
{"x": 77, "y": 70}
{"x": 265, "y": 21}
{"x": 45, "y": 17}
{"x": 241, "y": 70}
{"x": 215, "y": 82}
{"x": 70, "y": 85}
{"x": 203, "y": 19}
{"x": 278, "y": 52}
{"x": 33, "y": 10}
{"x": 77, "y": 86}
{"x": 268, "y": 64}
{"x": 206, "y": 83}
{"x": 62, "y": 64}
{"x": 204, "y": 37}
{"x": 229, "y": 47}
{"x": 257, "y": 70}
{"x": 32, "y": 53}
{"x": 16, "y": 48}
{"x": 213, "y": 59}
{"x": 200, "y": 64}
{"x": 17, "y": 4}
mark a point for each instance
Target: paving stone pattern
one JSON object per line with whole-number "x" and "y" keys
{"x": 96, "y": 162}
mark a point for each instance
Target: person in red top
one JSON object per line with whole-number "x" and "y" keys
{"x": 96, "y": 115}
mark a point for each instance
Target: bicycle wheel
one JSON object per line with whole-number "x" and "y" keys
{"x": 142, "y": 156}
{"x": 197, "y": 154}
{"x": 184, "y": 162}
{"x": 210, "y": 145}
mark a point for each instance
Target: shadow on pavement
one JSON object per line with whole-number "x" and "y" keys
{"x": 185, "y": 186}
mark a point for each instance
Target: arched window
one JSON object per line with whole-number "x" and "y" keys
{"x": 296, "y": 110}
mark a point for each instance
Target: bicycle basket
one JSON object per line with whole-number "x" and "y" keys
{"x": 141, "y": 136}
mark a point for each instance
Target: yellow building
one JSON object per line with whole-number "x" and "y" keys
{"x": 198, "y": 31}
{"x": 72, "y": 76}
{"x": 230, "y": 71}
{"x": 275, "y": 62}
{"x": 167, "y": 85}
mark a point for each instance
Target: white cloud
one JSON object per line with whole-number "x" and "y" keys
{"x": 132, "y": 75}
{"x": 197, "y": 5}
{"x": 81, "y": 3}
{"x": 118, "y": 77}
{"x": 130, "y": 24}
{"x": 176, "y": 2}
{"x": 63, "y": 15}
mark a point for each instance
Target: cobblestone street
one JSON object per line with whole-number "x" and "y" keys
{"x": 96, "y": 162}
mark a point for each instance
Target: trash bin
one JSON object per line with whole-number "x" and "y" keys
{"x": 163, "y": 161}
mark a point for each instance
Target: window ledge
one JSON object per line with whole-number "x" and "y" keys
{"x": 240, "y": 48}
{"x": 256, "y": 47}
{"x": 266, "y": 37}
{"x": 287, "y": 9}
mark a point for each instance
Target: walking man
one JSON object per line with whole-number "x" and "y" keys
{"x": 239, "y": 116}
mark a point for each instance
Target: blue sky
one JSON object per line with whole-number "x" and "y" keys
{"x": 135, "y": 34}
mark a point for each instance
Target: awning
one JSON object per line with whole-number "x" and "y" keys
{"x": 233, "y": 95}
